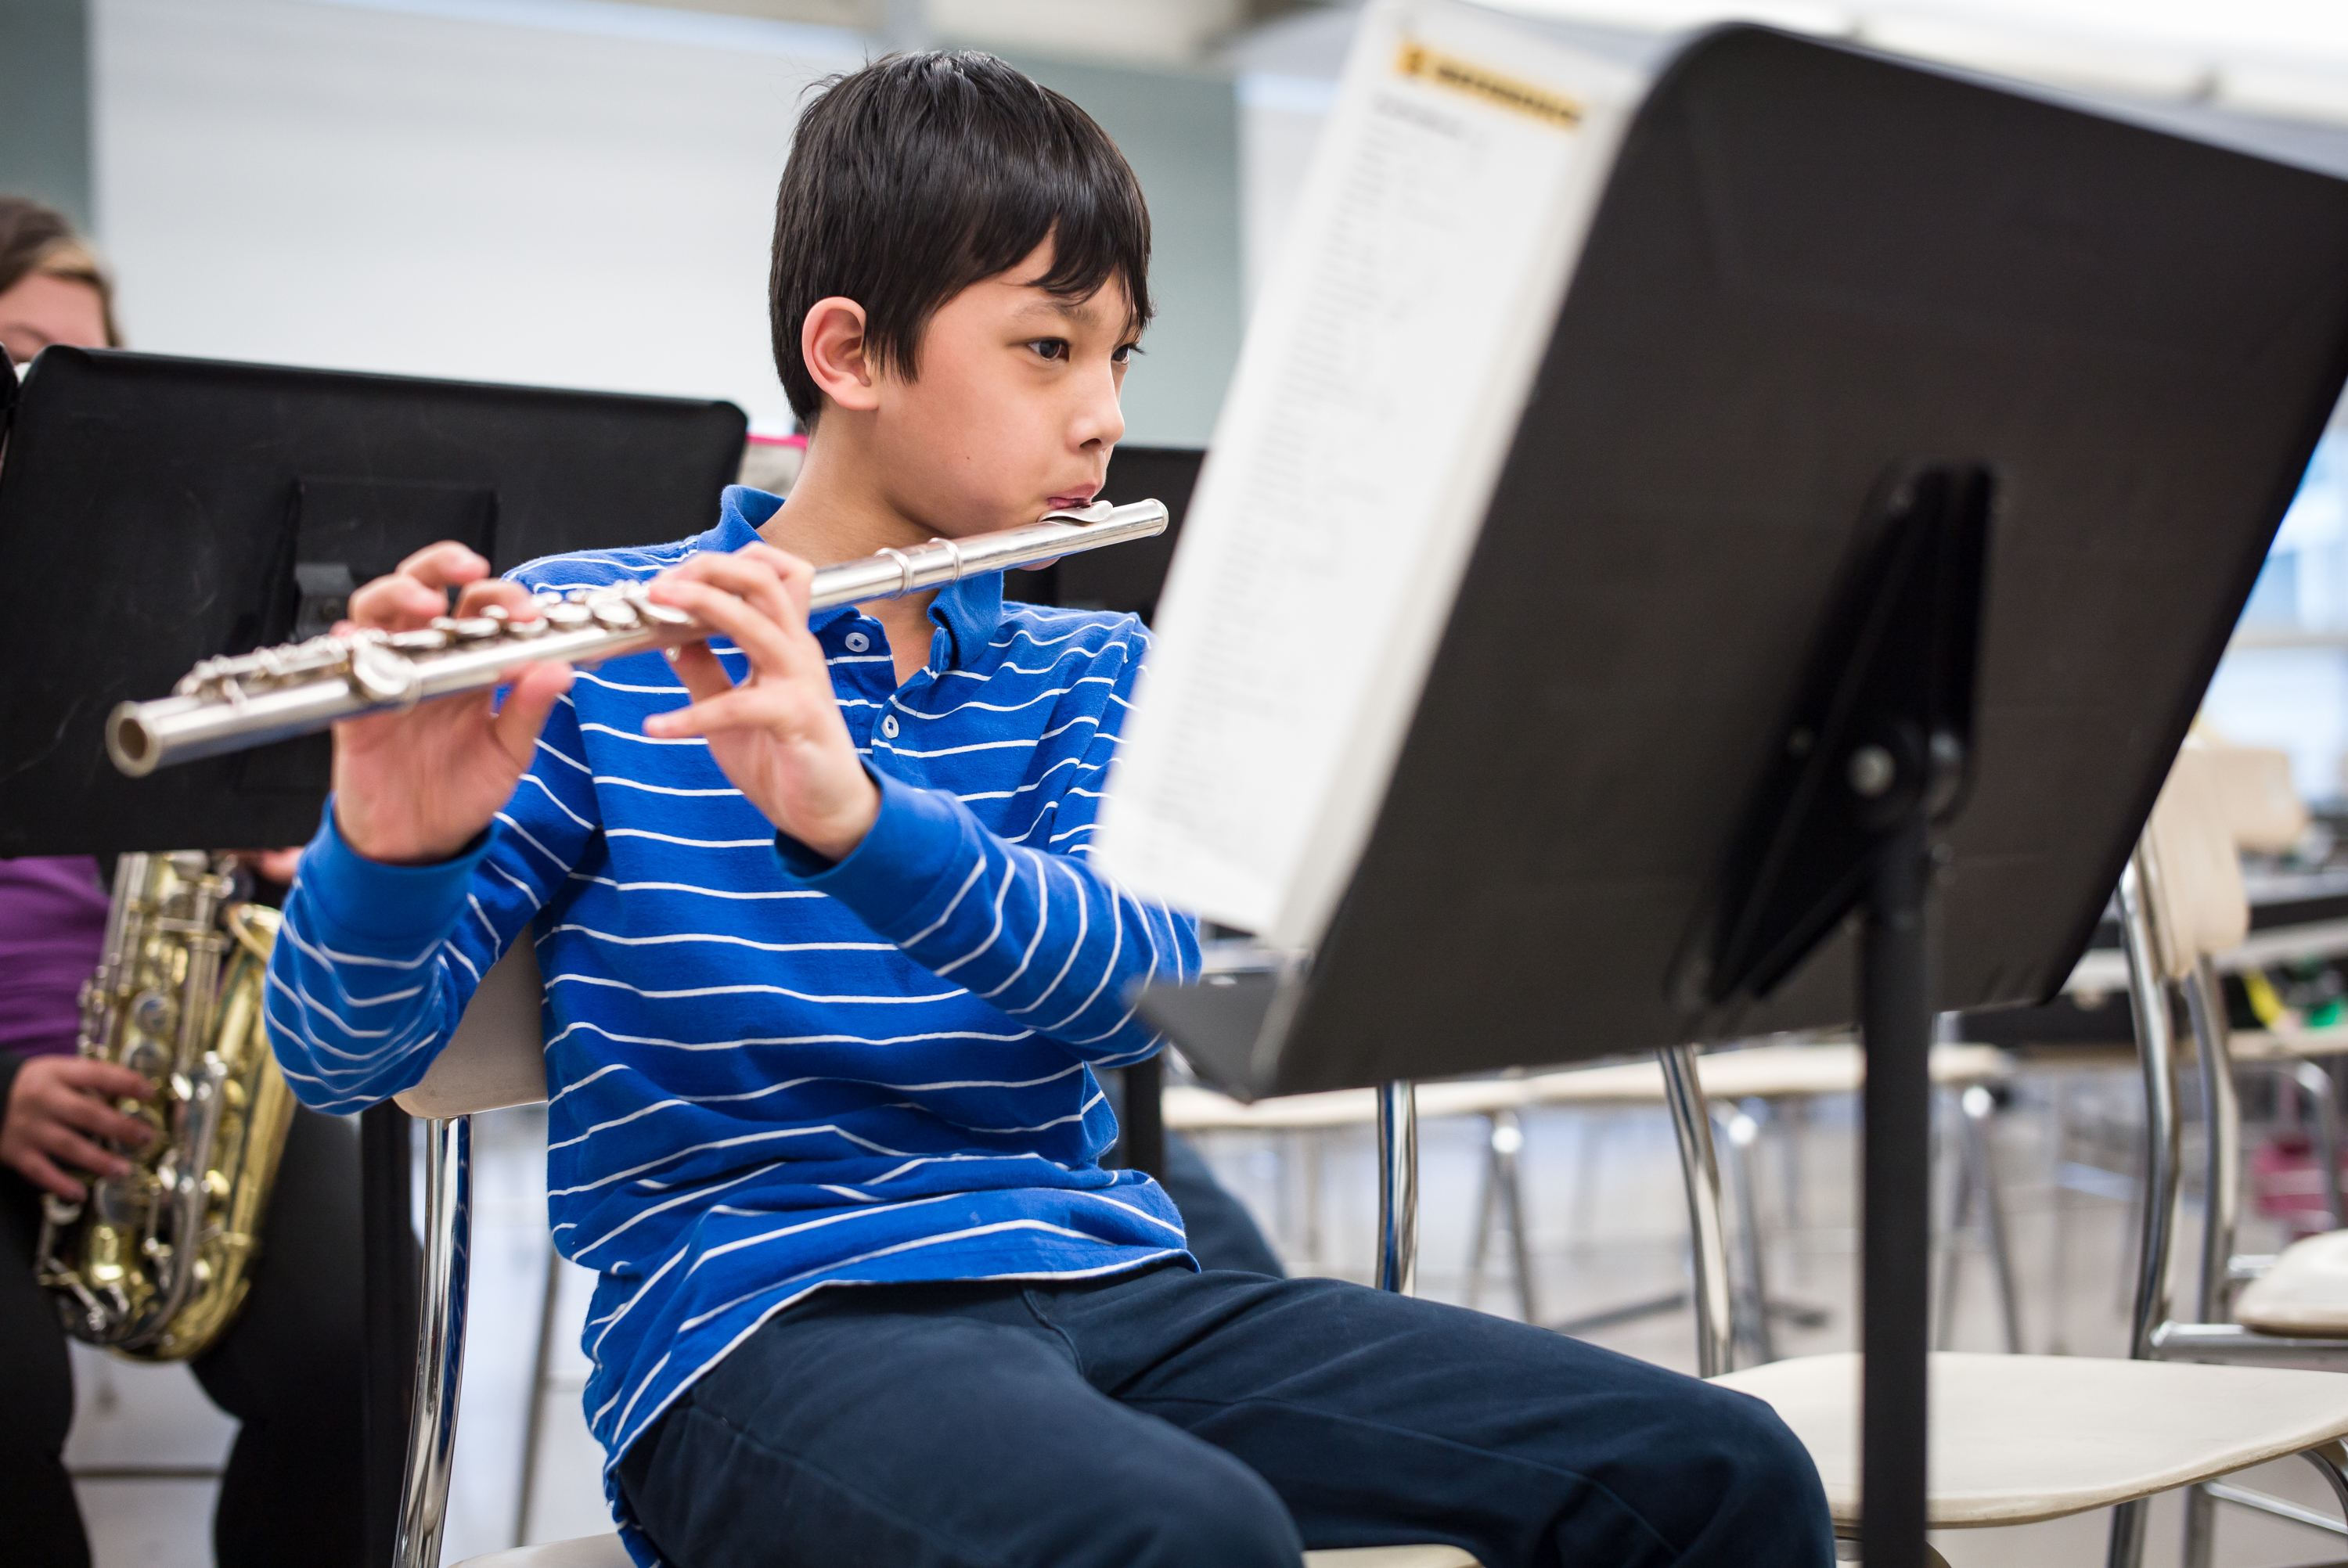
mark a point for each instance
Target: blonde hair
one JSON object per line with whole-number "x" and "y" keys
{"x": 37, "y": 241}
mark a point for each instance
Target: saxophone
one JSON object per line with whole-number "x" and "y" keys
{"x": 155, "y": 1263}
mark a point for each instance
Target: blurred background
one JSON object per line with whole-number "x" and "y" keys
{"x": 577, "y": 193}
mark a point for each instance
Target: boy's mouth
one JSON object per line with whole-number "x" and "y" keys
{"x": 1073, "y": 500}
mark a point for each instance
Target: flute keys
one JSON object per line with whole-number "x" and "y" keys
{"x": 566, "y": 616}
{"x": 616, "y": 613}
{"x": 382, "y": 674}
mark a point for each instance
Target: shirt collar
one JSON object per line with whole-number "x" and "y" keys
{"x": 970, "y": 611}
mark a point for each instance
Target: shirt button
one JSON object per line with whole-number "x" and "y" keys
{"x": 857, "y": 641}
{"x": 889, "y": 727}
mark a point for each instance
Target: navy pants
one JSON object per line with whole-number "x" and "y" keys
{"x": 1221, "y": 1420}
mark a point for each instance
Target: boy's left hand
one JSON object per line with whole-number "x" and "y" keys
{"x": 778, "y": 734}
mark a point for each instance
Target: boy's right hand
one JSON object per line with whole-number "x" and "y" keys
{"x": 415, "y": 788}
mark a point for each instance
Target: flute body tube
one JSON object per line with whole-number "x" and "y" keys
{"x": 247, "y": 700}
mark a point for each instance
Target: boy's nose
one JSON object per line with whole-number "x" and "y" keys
{"x": 1099, "y": 418}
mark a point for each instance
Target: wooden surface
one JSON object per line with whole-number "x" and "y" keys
{"x": 2017, "y": 1438}
{"x": 1765, "y": 1073}
{"x": 497, "y": 1057}
{"x": 2305, "y": 1293}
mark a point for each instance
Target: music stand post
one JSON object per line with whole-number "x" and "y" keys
{"x": 1878, "y": 751}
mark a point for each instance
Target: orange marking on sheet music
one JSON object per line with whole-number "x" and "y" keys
{"x": 1418, "y": 62}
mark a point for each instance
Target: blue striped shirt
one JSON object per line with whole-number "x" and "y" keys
{"x": 767, "y": 1073}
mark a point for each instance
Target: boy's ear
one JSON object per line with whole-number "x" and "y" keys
{"x": 831, "y": 342}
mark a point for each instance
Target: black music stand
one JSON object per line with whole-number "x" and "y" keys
{"x": 1126, "y": 579}
{"x": 162, "y": 510}
{"x": 1903, "y": 457}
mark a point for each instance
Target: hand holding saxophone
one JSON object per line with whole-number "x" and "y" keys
{"x": 413, "y": 788}
{"x": 58, "y": 1107}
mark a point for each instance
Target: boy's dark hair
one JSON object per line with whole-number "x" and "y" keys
{"x": 922, "y": 174}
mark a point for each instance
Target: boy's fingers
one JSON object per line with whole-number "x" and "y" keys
{"x": 797, "y": 574}
{"x": 397, "y": 603}
{"x": 446, "y": 564}
{"x": 536, "y": 689}
{"x": 416, "y": 592}
{"x": 749, "y": 579}
{"x": 756, "y": 634}
{"x": 740, "y": 708}
{"x": 700, "y": 670}
{"x": 516, "y": 599}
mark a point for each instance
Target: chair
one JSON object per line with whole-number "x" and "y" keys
{"x": 2017, "y": 1438}
{"x": 495, "y": 1059}
{"x": 2219, "y": 800}
{"x": 1772, "y": 1074}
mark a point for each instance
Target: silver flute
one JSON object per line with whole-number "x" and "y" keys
{"x": 246, "y": 700}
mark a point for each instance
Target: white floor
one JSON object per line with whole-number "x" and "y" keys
{"x": 1607, "y": 1226}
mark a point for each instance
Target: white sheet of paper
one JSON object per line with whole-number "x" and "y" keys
{"x": 1376, "y": 396}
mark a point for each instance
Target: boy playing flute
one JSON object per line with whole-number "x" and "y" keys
{"x": 828, "y": 979}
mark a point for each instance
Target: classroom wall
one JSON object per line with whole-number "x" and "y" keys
{"x": 570, "y": 193}
{"x": 44, "y": 103}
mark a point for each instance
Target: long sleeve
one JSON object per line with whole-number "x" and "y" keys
{"x": 1049, "y": 941}
{"x": 376, "y": 963}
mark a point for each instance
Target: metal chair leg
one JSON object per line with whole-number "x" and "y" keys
{"x": 2315, "y": 1090}
{"x": 2148, "y": 1000}
{"x": 1751, "y": 1299}
{"x": 1952, "y": 1256}
{"x": 2221, "y": 1131}
{"x": 1700, "y": 1171}
{"x": 1486, "y": 1195}
{"x": 440, "y": 1342}
{"x": 1397, "y": 1188}
{"x": 533, "y": 1428}
{"x": 1508, "y": 1154}
{"x": 2200, "y": 1528}
{"x": 1980, "y": 1108}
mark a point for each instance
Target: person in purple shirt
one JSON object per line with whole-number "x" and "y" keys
{"x": 289, "y": 1367}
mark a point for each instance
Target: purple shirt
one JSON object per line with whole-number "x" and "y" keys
{"x": 52, "y": 932}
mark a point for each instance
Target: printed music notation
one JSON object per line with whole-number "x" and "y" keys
{"x": 1376, "y": 396}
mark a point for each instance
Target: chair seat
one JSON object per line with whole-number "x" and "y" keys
{"x": 2305, "y": 1294}
{"x": 605, "y": 1551}
{"x": 2018, "y": 1438}
{"x": 2287, "y": 1044}
{"x": 1763, "y": 1073}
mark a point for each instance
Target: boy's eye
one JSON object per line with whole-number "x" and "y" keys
{"x": 1050, "y": 347}
{"x": 1125, "y": 352}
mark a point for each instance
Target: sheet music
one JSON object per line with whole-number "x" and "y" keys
{"x": 1377, "y": 395}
